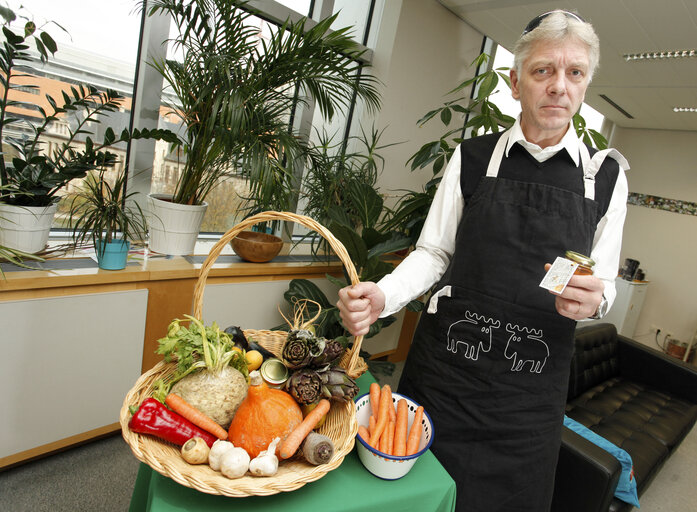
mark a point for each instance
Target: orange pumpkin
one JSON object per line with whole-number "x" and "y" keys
{"x": 264, "y": 414}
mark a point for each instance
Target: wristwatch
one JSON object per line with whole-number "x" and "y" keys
{"x": 602, "y": 309}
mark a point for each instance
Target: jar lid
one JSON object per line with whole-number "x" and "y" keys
{"x": 579, "y": 258}
{"x": 274, "y": 371}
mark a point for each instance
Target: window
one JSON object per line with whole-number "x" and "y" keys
{"x": 90, "y": 52}
{"x": 226, "y": 200}
{"x": 103, "y": 53}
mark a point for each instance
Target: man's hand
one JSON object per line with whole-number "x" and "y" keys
{"x": 580, "y": 298}
{"x": 359, "y": 306}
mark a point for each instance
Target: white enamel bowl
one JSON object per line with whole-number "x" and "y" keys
{"x": 390, "y": 467}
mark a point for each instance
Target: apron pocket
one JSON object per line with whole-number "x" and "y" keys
{"x": 518, "y": 347}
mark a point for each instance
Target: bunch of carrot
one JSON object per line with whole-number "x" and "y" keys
{"x": 388, "y": 430}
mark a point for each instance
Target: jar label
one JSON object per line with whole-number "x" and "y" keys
{"x": 557, "y": 277}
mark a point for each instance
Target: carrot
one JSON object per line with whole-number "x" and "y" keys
{"x": 391, "y": 410}
{"x": 400, "y": 434}
{"x": 291, "y": 444}
{"x": 383, "y": 414}
{"x": 191, "y": 413}
{"x": 374, "y": 399}
{"x": 371, "y": 428}
{"x": 390, "y": 437}
{"x": 363, "y": 432}
{"x": 383, "y": 441}
{"x": 415, "y": 432}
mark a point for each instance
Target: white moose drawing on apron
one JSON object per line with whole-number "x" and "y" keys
{"x": 526, "y": 345}
{"x": 472, "y": 348}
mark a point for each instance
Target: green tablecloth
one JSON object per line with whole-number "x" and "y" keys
{"x": 427, "y": 487}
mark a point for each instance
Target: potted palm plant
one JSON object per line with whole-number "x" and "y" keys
{"x": 101, "y": 212}
{"x": 34, "y": 175}
{"x": 235, "y": 93}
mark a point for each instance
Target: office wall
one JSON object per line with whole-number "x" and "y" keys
{"x": 662, "y": 164}
{"x": 422, "y": 51}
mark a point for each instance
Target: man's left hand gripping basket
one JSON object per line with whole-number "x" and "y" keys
{"x": 340, "y": 426}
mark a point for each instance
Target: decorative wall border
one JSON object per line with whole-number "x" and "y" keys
{"x": 662, "y": 203}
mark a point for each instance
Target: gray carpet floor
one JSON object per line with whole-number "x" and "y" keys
{"x": 99, "y": 477}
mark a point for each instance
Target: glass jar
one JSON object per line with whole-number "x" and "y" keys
{"x": 585, "y": 264}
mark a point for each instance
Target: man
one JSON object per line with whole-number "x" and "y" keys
{"x": 490, "y": 357}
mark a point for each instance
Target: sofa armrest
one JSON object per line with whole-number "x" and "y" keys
{"x": 640, "y": 363}
{"x": 586, "y": 476}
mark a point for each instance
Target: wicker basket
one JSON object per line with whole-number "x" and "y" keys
{"x": 341, "y": 425}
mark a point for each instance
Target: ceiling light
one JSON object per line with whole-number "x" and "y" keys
{"x": 674, "y": 54}
{"x": 684, "y": 109}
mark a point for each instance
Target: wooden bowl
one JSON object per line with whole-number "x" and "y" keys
{"x": 256, "y": 247}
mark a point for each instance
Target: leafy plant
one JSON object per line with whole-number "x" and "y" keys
{"x": 341, "y": 192}
{"x": 100, "y": 210}
{"x": 36, "y": 175}
{"x": 336, "y": 179}
{"x": 235, "y": 93}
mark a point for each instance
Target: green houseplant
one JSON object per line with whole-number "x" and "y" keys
{"x": 341, "y": 193}
{"x": 102, "y": 213}
{"x": 235, "y": 93}
{"x": 34, "y": 174}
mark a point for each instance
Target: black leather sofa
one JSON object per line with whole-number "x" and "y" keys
{"x": 637, "y": 398}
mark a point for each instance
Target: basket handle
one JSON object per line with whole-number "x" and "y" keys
{"x": 309, "y": 223}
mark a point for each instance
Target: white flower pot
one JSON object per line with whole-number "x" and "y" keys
{"x": 26, "y": 228}
{"x": 173, "y": 227}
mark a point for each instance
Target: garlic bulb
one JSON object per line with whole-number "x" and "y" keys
{"x": 234, "y": 463}
{"x": 266, "y": 463}
{"x": 218, "y": 449}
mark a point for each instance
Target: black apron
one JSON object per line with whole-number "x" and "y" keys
{"x": 490, "y": 357}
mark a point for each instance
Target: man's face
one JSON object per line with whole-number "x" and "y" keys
{"x": 551, "y": 88}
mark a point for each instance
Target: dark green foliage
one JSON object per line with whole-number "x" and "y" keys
{"x": 101, "y": 210}
{"x": 236, "y": 91}
{"x": 34, "y": 175}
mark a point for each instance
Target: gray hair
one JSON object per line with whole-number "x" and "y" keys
{"x": 556, "y": 28}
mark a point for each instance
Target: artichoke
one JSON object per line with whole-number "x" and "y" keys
{"x": 300, "y": 350}
{"x": 300, "y": 334}
{"x": 333, "y": 350}
{"x": 336, "y": 385}
{"x": 305, "y": 386}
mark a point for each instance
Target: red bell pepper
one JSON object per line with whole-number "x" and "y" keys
{"x": 154, "y": 418}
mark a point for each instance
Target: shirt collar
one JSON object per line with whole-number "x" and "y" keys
{"x": 569, "y": 141}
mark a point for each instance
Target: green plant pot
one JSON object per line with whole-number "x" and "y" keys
{"x": 113, "y": 255}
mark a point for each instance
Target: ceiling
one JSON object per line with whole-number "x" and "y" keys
{"x": 648, "y": 90}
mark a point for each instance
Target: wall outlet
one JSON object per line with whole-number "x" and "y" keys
{"x": 654, "y": 328}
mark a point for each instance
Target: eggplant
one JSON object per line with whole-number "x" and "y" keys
{"x": 253, "y": 345}
{"x": 238, "y": 337}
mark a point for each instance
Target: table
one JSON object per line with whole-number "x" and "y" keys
{"x": 350, "y": 487}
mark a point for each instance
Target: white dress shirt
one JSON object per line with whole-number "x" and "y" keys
{"x": 427, "y": 263}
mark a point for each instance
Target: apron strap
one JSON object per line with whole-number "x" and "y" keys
{"x": 433, "y": 303}
{"x": 591, "y": 168}
{"x": 497, "y": 155}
